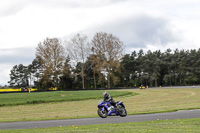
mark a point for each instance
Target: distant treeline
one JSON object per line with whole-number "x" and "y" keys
{"x": 178, "y": 67}
{"x": 100, "y": 63}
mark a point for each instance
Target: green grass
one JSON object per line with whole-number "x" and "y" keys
{"x": 158, "y": 126}
{"x": 148, "y": 101}
{"x": 57, "y": 96}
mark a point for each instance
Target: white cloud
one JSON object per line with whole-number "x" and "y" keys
{"x": 12, "y": 57}
{"x": 5, "y": 71}
{"x": 17, "y": 55}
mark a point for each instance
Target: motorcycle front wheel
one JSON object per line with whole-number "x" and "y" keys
{"x": 102, "y": 113}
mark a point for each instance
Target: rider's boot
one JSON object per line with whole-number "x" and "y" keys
{"x": 115, "y": 107}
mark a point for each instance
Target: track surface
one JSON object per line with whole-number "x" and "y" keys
{"x": 112, "y": 119}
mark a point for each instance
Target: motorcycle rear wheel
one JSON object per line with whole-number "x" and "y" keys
{"x": 102, "y": 114}
{"x": 123, "y": 112}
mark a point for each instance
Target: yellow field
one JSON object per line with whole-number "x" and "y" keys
{"x": 10, "y": 90}
{"x": 148, "y": 101}
{"x": 7, "y": 90}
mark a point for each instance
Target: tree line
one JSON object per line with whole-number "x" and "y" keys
{"x": 178, "y": 67}
{"x": 101, "y": 63}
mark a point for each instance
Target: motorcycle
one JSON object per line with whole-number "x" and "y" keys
{"x": 106, "y": 109}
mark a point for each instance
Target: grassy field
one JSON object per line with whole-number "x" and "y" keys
{"x": 7, "y": 99}
{"x": 158, "y": 126}
{"x": 148, "y": 101}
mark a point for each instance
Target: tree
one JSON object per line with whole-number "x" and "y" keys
{"x": 169, "y": 63}
{"x": 13, "y": 76}
{"x": 79, "y": 49}
{"x": 90, "y": 74}
{"x": 19, "y": 76}
{"x": 52, "y": 56}
{"x": 108, "y": 50}
{"x": 66, "y": 78}
{"x": 95, "y": 62}
{"x": 37, "y": 72}
{"x": 156, "y": 63}
{"x": 128, "y": 69}
{"x": 141, "y": 59}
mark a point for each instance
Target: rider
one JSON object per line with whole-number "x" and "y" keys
{"x": 108, "y": 98}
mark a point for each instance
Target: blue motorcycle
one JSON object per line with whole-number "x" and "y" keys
{"x": 106, "y": 109}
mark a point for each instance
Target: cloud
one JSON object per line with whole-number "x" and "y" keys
{"x": 17, "y": 55}
{"x": 140, "y": 31}
{"x": 149, "y": 30}
{"x": 5, "y": 71}
{"x": 11, "y": 7}
{"x": 139, "y": 24}
{"x": 11, "y": 57}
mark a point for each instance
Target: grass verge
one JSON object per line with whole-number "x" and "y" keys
{"x": 149, "y": 101}
{"x": 11, "y": 99}
{"x": 158, "y": 126}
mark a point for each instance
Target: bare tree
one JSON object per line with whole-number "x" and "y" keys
{"x": 108, "y": 50}
{"x": 79, "y": 49}
{"x": 52, "y": 56}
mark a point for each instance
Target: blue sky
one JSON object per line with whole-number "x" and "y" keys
{"x": 140, "y": 24}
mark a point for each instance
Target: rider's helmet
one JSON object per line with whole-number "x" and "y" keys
{"x": 105, "y": 93}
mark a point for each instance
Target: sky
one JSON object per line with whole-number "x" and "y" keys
{"x": 139, "y": 24}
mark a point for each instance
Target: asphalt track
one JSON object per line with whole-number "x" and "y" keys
{"x": 112, "y": 119}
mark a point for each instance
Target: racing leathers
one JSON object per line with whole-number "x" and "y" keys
{"x": 108, "y": 98}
